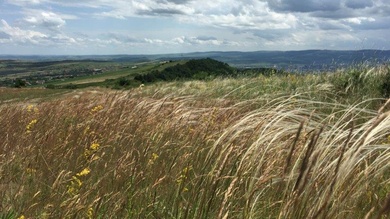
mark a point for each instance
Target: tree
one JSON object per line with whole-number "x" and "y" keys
{"x": 19, "y": 83}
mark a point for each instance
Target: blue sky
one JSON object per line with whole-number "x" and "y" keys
{"x": 83, "y": 27}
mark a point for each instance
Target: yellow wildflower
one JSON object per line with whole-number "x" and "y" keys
{"x": 74, "y": 186}
{"x": 32, "y": 108}
{"x": 152, "y": 159}
{"x": 95, "y": 146}
{"x": 91, "y": 150}
{"x": 97, "y": 109}
{"x": 21, "y": 217}
{"x": 90, "y": 213}
{"x": 72, "y": 190}
{"x": 186, "y": 169}
{"x": 183, "y": 175}
{"x": 84, "y": 172}
{"x": 31, "y": 170}
{"x": 180, "y": 179}
{"x": 154, "y": 156}
{"x": 31, "y": 125}
{"x": 76, "y": 181}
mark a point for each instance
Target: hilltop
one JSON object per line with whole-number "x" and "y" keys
{"x": 193, "y": 69}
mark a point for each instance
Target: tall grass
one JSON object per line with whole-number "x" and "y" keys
{"x": 178, "y": 152}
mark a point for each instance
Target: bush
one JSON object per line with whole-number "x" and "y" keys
{"x": 19, "y": 83}
{"x": 123, "y": 82}
{"x": 70, "y": 86}
{"x": 50, "y": 86}
{"x": 385, "y": 86}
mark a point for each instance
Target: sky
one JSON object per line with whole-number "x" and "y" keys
{"x": 104, "y": 27}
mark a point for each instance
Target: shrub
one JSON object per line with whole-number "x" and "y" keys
{"x": 19, "y": 83}
{"x": 50, "y": 86}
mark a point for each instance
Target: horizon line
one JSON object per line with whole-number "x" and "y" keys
{"x": 183, "y": 53}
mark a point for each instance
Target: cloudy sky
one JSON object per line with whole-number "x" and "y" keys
{"x": 81, "y": 27}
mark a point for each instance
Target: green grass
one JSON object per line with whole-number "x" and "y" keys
{"x": 296, "y": 146}
{"x": 103, "y": 76}
{"x": 17, "y": 95}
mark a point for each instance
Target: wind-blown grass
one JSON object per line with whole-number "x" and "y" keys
{"x": 174, "y": 152}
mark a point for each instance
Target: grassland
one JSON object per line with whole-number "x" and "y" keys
{"x": 101, "y": 79}
{"x": 10, "y": 95}
{"x": 291, "y": 146}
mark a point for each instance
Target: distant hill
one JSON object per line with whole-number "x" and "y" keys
{"x": 193, "y": 69}
{"x": 303, "y": 60}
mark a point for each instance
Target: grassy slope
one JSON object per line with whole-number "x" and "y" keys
{"x": 43, "y": 71}
{"x": 15, "y": 69}
{"x": 104, "y": 76}
{"x": 8, "y": 95}
{"x": 129, "y": 72}
{"x": 265, "y": 147}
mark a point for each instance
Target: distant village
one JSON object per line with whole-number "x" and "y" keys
{"x": 43, "y": 77}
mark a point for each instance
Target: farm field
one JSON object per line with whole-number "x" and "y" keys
{"x": 265, "y": 146}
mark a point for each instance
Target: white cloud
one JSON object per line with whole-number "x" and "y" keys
{"x": 20, "y": 36}
{"x": 63, "y": 39}
{"x": 121, "y": 42}
{"x": 154, "y": 41}
{"x": 198, "y": 41}
{"x": 359, "y": 20}
{"x": 48, "y": 20}
{"x": 253, "y": 16}
{"x": 145, "y": 8}
{"x": 26, "y": 2}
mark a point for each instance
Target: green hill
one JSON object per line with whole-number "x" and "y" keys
{"x": 193, "y": 69}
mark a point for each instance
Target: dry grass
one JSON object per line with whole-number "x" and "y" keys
{"x": 164, "y": 152}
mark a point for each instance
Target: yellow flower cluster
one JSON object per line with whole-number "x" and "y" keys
{"x": 31, "y": 125}
{"x": 76, "y": 183}
{"x": 153, "y": 159}
{"x": 96, "y": 109}
{"x": 90, "y": 213}
{"x": 31, "y": 170}
{"x": 74, "y": 187}
{"x": 84, "y": 172}
{"x": 32, "y": 108}
{"x": 183, "y": 176}
{"x": 94, "y": 146}
{"x": 91, "y": 150}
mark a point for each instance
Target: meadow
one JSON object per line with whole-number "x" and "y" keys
{"x": 275, "y": 146}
